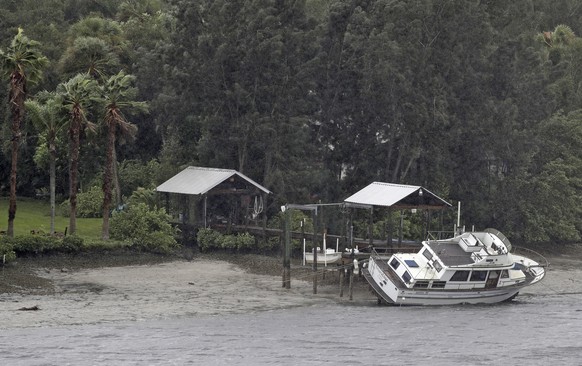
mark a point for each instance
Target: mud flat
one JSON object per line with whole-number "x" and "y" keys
{"x": 65, "y": 291}
{"x": 178, "y": 288}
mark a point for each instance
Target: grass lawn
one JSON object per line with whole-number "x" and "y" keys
{"x": 32, "y": 214}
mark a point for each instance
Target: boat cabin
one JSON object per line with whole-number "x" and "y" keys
{"x": 468, "y": 261}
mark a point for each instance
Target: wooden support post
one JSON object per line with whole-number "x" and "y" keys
{"x": 205, "y": 211}
{"x": 324, "y": 251}
{"x": 314, "y": 243}
{"x": 283, "y": 250}
{"x": 351, "y": 289}
{"x": 371, "y": 228}
{"x": 167, "y": 197}
{"x": 264, "y": 195}
{"x": 389, "y": 228}
{"x": 288, "y": 248}
{"x": 401, "y": 228}
{"x": 315, "y": 270}
{"x": 341, "y": 281}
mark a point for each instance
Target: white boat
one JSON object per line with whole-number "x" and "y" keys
{"x": 330, "y": 256}
{"x": 471, "y": 268}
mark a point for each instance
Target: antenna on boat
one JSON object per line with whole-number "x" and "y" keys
{"x": 459, "y": 215}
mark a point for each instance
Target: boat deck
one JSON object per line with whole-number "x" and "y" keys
{"x": 450, "y": 253}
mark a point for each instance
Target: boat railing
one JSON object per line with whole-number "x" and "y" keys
{"x": 439, "y": 235}
{"x": 531, "y": 254}
{"x": 382, "y": 252}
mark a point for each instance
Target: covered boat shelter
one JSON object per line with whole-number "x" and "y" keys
{"x": 201, "y": 197}
{"x": 397, "y": 197}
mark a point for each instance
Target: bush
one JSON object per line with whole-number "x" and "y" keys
{"x": 89, "y": 204}
{"x": 134, "y": 174}
{"x": 143, "y": 195}
{"x": 27, "y": 245}
{"x": 7, "y": 254}
{"x": 245, "y": 241}
{"x": 31, "y": 245}
{"x": 71, "y": 244}
{"x": 209, "y": 239}
{"x": 98, "y": 245}
{"x": 147, "y": 229}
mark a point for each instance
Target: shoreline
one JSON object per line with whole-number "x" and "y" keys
{"x": 61, "y": 291}
{"x": 145, "y": 288}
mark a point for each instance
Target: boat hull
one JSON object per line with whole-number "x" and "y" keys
{"x": 392, "y": 293}
{"x": 327, "y": 258}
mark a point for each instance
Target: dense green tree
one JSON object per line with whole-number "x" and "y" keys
{"x": 548, "y": 208}
{"x": 317, "y": 98}
{"x": 22, "y": 63}
{"x": 246, "y": 87}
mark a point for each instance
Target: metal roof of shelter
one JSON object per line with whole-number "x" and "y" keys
{"x": 198, "y": 180}
{"x": 397, "y": 196}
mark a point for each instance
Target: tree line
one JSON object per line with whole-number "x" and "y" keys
{"x": 479, "y": 101}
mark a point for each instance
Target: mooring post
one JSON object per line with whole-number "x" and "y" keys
{"x": 314, "y": 242}
{"x": 341, "y": 281}
{"x": 315, "y": 270}
{"x": 324, "y": 250}
{"x": 288, "y": 249}
{"x": 351, "y": 289}
{"x": 283, "y": 249}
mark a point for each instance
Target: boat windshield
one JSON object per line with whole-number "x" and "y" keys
{"x": 427, "y": 254}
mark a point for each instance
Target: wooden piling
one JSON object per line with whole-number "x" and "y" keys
{"x": 314, "y": 245}
{"x": 341, "y": 281}
{"x": 351, "y": 289}
{"x": 288, "y": 249}
{"x": 314, "y": 270}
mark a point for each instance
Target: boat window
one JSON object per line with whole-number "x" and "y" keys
{"x": 438, "y": 284}
{"x": 421, "y": 284}
{"x": 406, "y": 277}
{"x": 478, "y": 275}
{"x": 394, "y": 263}
{"x": 504, "y": 274}
{"x": 427, "y": 254}
{"x": 460, "y": 276}
{"x": 437, "y": 266}
{"x": 411, "y": 263}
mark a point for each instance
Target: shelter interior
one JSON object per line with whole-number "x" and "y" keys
{"x": 232, "y": 202}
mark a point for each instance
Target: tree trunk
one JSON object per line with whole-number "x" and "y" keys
{"x": 17, "y": 96}
{"x": 74, "y": 168}
{"x": 108, "y": 179}
{"x": 52, "y": 185}
{"x": 116, "y": 184}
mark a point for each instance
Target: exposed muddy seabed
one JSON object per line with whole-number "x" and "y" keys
{"x": 110, "y": 287}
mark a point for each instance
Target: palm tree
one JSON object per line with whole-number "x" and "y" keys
{"x": 75, "y": 97}
{"x": 119, "y": 96}
{"x": 23, "y": 63}
{"x": 45, "y": 116}
{"x": 91, "y": 55}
